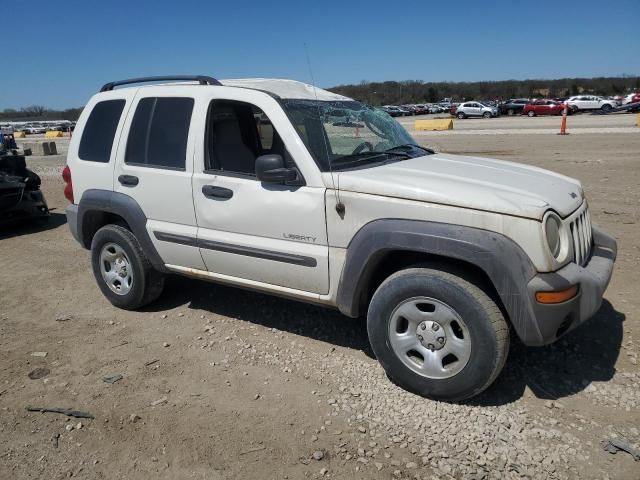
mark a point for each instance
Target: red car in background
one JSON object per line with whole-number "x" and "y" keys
{"x": 543, "y": 107}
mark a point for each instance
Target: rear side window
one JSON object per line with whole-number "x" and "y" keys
{"x": 159, "y": 131}
{"x": 99, "y": 131}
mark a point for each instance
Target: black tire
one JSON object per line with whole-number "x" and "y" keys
{"x": 531, "y": 113}
{"x": 487, "y": 327}
{"x": 461, "y": 116}
{"x": 147, "y": 283}
{"x": 606, "y": 107}
{"x": 486, "y": 115}
{"x": 511, "y": 111}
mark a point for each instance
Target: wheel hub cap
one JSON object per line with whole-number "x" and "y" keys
{"x": 116, "y": 269}
{"x": 431, "y": 335}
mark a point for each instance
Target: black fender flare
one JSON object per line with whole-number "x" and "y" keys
{"x": 500, "y": 258}
{"x": 124, "y": 206}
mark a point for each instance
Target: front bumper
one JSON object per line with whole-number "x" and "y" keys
{"x": 550, "y": 322}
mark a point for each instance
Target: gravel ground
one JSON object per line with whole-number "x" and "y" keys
{"x": 223, "y": 383}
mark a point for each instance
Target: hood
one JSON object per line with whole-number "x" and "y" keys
{"x": 470, "y": 182}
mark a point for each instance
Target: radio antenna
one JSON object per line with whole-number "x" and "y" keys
{"x": 336, "y": 186}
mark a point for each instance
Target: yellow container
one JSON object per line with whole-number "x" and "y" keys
{"x": 53, "y": 134}
{"x": 19, "y": 135}
{"x": 434, "y": 124}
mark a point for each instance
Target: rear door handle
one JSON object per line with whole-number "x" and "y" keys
{"x": 128, "y": 180}
{"x": 222, "y": 193}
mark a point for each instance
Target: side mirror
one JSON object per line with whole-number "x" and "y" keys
{"x": 271, "y": 169}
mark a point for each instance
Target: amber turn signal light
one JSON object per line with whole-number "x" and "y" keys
{"x": 557, "y": 297}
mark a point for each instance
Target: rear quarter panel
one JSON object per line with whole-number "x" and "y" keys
{"x": 85, "y": 174}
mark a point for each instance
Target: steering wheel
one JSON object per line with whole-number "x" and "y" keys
{"x": 374, "y": 128}
{"x": 362, "y": 146}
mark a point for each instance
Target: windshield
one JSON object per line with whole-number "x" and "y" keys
{"x": 347, "y": 134}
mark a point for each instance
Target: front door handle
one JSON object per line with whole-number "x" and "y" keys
{"x": 128, "y": 180}
{"x": 219, "y": 193}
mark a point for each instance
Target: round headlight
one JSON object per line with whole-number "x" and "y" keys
{"x": 552, "y": 226}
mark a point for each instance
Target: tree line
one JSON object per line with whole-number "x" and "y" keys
{"x": 416, "y": 91}
{"x": 34, "y": 113}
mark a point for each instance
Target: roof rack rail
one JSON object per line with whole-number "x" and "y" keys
{"x": 202, "y": 79}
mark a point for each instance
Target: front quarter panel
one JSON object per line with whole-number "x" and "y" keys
{"x": 361, "y": 209}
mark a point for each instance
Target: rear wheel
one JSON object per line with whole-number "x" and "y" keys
{"x": 511, "y": 111}
{"x": 531, "y": 113}
{"x": 124, "y": 274}
{"x": 436, "y": 334}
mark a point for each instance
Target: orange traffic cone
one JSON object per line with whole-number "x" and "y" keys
{"x": 563, "y": 125}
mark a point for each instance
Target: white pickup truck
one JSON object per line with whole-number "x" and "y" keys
{"x": 277, "y": 186}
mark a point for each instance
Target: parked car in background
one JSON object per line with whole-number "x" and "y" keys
{"x": 421, "y": 109}
{"x": 476, "y": 109}
{"x": 393, "y": 110}
{"x": 543, "y": 107}
{"x": 410, "y": 109}
{"x": 513, "y": 106}
{"x": 26, "y": 129}
{"x": 590, "y": 102}
{"x": 32, "y": 129}
{"x": 631, "y": 98}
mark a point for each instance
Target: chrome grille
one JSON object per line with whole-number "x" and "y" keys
{"x": 581, "y": 235}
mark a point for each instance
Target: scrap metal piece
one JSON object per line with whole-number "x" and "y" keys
{"x": 20, "y": 194}
{"x": 64, "y": 411}
{"x": 113, "y": 379}
{"x": 615, "y": 445}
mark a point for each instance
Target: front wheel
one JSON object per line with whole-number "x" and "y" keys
{"x": 606, "y": 107}
{"x": 486, "y": 115}
{"x": 461, "y": 115}
{"x": 124, "y": 274}
{"x": 436, "y": 334}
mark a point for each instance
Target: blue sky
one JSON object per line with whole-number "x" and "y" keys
{"x": 76, "y": 46}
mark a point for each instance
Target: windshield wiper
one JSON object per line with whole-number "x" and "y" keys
{"x": 409, "y": 145}
{"x": 356, "y": 158}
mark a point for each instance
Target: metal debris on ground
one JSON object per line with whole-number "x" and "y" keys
{"x": 113, "y": 379}
{"x": 160, "y": 401}
{"x": 64, "y": 318}
{"x": 614, "y": 445}
{"x": 39, "y": 354}
{"x": 254, "y": 449}
{"x": 151, "y": 362}
{"x": 54, "y": 439}
{"x": 64, "y": 411}
{"x": 38, "y": 373}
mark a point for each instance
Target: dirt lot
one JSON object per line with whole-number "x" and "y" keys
{"x": 221, "y": 383}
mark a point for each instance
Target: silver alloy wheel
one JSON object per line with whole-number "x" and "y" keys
{"x": 429, "y": 337}
{"x": 116, "y": 269}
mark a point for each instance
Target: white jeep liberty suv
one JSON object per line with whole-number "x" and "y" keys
{"x": 277, "y": 186}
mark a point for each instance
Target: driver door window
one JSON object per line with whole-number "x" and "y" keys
{"x": 237, "y": 134}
